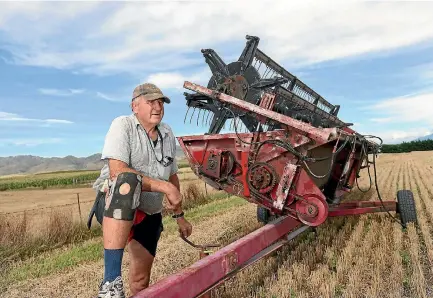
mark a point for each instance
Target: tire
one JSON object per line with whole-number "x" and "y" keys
{"x": 263, "y": 214}
{"x": 406, "y": 207}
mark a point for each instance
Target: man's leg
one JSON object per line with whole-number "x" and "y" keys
{"x": 142, "y": 250}
{"x": 115, "y": 234}
{"x": 140, "y": 266}
{"x": 119, "y": 213}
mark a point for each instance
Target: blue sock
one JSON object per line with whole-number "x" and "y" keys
{"x": 113, "y": 263}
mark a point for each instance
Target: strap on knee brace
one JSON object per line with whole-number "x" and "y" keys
{"x": 123, "y": 197}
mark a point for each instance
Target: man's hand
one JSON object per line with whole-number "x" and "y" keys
{"x": 185, "y": 228}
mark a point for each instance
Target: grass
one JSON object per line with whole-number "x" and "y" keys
{"x": 78, "y": 253}
{"x": 17, "y": 244}
{"x": 57, "y": 179}
{"x": 54, "y": 262}
{"x": 47, "y": 180}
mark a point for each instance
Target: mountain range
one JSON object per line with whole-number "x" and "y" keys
{"x": 29, "y": 164}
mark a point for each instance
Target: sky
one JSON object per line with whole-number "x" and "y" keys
{"x": 67, "y": 69}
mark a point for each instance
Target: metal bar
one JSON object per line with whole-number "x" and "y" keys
{"x": 360, "y": 204}
{"x": 361, "y": 210}
{"x": 261, "y": 255}
{"x": 201, "y": 275}
{"x": 322, "y": 135}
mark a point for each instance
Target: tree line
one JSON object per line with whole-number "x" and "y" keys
{"x": 404, "y": 147}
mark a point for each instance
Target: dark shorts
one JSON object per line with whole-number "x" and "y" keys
{"x": 147, "y": 230}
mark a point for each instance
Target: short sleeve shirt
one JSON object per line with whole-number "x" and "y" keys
{"x": 127, "y": 141}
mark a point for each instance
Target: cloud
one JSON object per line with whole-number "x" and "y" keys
{"x": 175, "y": 80}
{"x": 28, "y": 142}
{"x": 415, "y": 108}
{"x": 398, "y": 136}
{"x": 319, "y": 32}
{"x": 59, "y": 92}
{"x": 105, "y": 96}
{"x": 382, "y": 120}
{"x": 4, "y": 116}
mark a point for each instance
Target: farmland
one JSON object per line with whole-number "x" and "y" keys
{"x": 357, "y": 256}
{"x": 54, "y": 179}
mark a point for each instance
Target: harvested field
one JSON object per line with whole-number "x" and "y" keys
{"x": 357, "y": 256}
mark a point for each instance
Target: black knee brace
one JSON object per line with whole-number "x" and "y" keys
{"x": 123, "y": 197}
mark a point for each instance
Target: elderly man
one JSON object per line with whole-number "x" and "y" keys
{"x": 140, "y": 170}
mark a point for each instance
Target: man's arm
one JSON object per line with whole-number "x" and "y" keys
{"x": 174, "y": 179}
{"x": 148, "y": 184}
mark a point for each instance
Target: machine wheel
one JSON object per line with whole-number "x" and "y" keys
{"x": 406, "y": 207}
{"x": 263, "y": 214}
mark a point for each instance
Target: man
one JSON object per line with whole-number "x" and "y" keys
{"x": 140, "y": 170}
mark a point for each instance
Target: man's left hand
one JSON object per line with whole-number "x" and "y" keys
{"x": 185, "y": 228}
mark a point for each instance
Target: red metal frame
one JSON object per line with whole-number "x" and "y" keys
{"x": 295, "y": 198}
{"x": 362, "y": 207}
{"x": 197, "y": 278}
{"x": 211, "y": 270}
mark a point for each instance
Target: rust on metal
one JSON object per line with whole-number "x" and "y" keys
{"x": 285, "y": 186}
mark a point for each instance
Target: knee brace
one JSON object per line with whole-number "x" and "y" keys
{"x": 123, "y": 197}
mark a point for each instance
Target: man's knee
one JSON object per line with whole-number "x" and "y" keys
{"x": 123, "y": 197}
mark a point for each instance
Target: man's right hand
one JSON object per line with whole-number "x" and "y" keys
{"x": 174, "y": 198}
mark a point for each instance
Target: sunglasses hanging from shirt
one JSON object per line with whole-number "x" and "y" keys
{"x": 165, "y": 160}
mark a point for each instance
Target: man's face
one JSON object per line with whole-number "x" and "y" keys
{"x": 149, "y": 111}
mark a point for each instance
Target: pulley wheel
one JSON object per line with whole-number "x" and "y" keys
{"x": 312, "y": 210}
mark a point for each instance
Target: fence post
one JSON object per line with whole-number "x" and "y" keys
{"x": 79, "y": 207}
{"x": 205, "y": 188}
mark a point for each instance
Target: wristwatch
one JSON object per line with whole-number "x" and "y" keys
{"x": 178, "y": 215}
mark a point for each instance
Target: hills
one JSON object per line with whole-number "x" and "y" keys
{"x": 29, "y": 164}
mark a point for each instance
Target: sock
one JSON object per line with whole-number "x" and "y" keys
{"x": 113, "y": 264}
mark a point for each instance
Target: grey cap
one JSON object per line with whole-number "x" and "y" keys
{"x": 150, "y": 92}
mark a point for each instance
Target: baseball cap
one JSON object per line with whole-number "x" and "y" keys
{"x": 150, "y": 92}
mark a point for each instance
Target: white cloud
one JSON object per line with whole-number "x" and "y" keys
{"x": 122, "y": 96}
{"x": 117, "y": 38}
{"x": 60, "y": 92}
{"x": 176, "y": 80}
{"x": 399, "y": 119}
{"x": 415, "y": 108}
{"x": 398, "y": 136}
{"x": 105, "y": 96}
{"x": 29, "y": 142}
{"x": 4, "y": 116}
{"x": 382, "y": 120}
{"x": 57, "y": 121}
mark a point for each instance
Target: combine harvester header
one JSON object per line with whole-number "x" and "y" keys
{"x": 296, "y": 160}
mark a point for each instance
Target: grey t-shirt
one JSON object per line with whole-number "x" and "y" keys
{"x": 126, "y": 141}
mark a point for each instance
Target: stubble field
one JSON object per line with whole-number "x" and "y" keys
{"x": 355, "y": 256}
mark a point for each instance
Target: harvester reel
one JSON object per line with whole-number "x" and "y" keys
{"x": 238, "y": 79}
